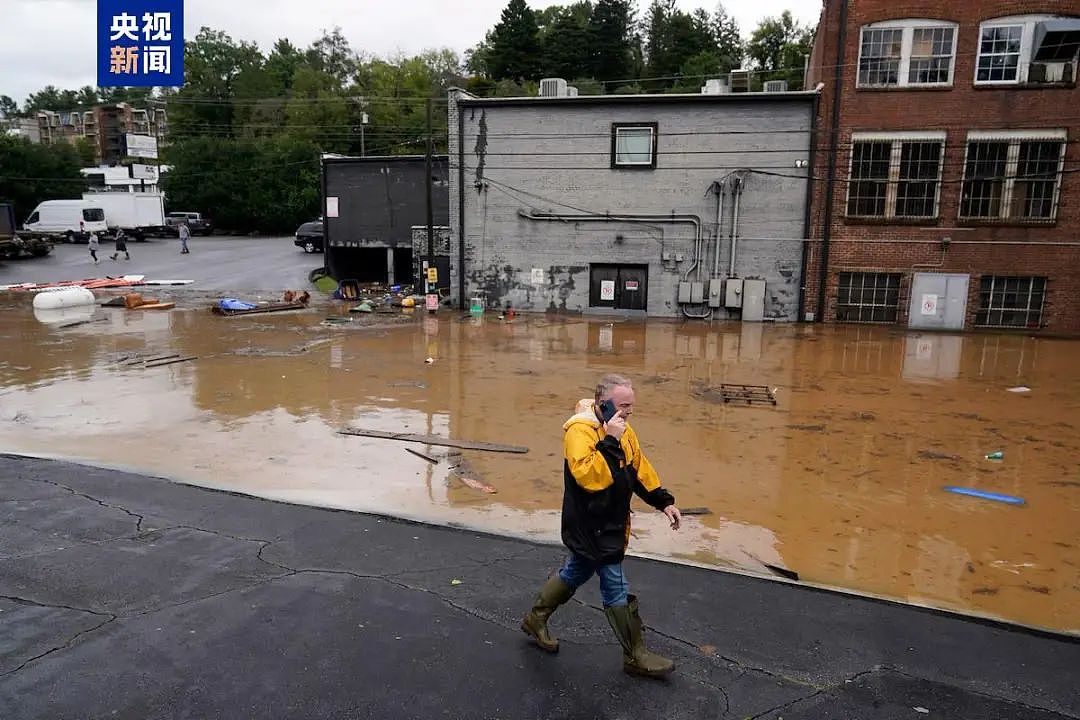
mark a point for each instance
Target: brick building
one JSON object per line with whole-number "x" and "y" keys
{"x": 664, "y": 205}
{"x": 947, "y": 158}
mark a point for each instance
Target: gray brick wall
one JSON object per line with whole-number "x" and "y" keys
{"x": 556, "y": 158}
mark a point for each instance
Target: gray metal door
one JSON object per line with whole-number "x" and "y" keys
{"x": 938, "y": 301}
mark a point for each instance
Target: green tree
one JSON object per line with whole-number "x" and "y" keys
{"x": 673, "y": 38}
{"x": 567, "y": 48}
{"x": 730, "y": 47}
{"x": 777, "y": 47}
{"x": 514, "y": 52}
{"x": 8, "y": 107}
{"x": 614, "y": 41}
{"x": 31, "y": 173}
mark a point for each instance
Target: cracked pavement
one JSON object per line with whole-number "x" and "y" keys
{"x": 126, "y": 596}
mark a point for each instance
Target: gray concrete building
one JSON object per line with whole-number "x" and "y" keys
{"x": 665, "y": 205}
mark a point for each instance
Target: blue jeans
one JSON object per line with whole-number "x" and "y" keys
{"x": 613, "y": 586}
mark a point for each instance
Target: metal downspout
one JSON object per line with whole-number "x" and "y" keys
{"x": 736, "y": 193}
{"x": 461, "y": 206}
{"x": 719, "y": 186}
{"x": 830, "y": 182}
{"x": 807, "y": 216}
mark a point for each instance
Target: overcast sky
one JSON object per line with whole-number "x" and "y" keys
{"x": 52, "y": 42}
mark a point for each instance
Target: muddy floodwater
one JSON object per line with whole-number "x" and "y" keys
{"x": 842, "y": 481}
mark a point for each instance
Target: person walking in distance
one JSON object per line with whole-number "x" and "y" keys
{"x": 602, "y": 466}
{"x": 121, "y": 245}
{"x": 93, "y": 245}
{"x": 184, "y": 234}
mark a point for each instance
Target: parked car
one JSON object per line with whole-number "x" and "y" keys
{"x": 197, "y": 224}
{"x": 309, "y": 236}
{"x": 71, "y": 220}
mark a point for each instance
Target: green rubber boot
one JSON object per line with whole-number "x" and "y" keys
{"x": 628, "y": 627}
{"x": 554, "y": 593}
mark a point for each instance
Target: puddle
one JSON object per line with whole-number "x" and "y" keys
{"x": 842, "y": 481}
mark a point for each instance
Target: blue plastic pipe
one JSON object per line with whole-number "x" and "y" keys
{"x": 998, "y": 497}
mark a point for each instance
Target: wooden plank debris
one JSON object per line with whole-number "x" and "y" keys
{"x": 170, "y": 361}
{"x": 434, "y": 440}
{"x": 417, "y": 453}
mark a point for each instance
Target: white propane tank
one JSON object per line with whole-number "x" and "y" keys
{"x": 65, "y": 314}
{"x": 62, "y": 298}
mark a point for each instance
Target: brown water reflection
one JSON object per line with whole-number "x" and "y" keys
{"x": 842, "y": 481}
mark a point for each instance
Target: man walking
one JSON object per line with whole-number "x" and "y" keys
{"x": 602, "y": 465}
{"x": 184, "y": 234}
{"x": 121, "y": 245}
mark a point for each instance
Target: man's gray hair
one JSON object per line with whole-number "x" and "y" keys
{"x": 608, "y": 383}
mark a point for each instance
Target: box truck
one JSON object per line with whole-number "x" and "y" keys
{"x": 138, "y": 213}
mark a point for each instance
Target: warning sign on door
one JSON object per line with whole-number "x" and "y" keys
{"x": 929, "y": 304}
{"x": 607, "y": 289}
{"x": 631, "y": 285}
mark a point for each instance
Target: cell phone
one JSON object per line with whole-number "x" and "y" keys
{"x": 607, "y": 410}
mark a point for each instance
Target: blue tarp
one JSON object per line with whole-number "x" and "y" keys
{"x": 234, "y": 304}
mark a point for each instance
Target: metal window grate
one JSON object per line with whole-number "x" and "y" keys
{"x": 984, "y": 179}
{"x": 931, "y": 56}
{"x": 894, "y": 178}
{"x": 999, "y": 54}
{"x": 1036, "y": 180}
{"x": 869, "y": 178}
{"x": 1011, "y": 180}
{"x": 879, "y": 58}
{"x": 868, "y": 297}
{"x": 916, "y": 193}
{"x": 1010, "y": 301}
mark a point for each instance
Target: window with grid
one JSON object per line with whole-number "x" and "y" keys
{"x": 894, "y": 177}
{"x": 931, "y": 56}
{"x": 1011, "y": 179}
{"x": 868, "y": 297}
{"x": 1010, "y": 301}
{"x": 879, "y": 56}
{"x": 906, "y": 53}
{"x": 999, "y": 53}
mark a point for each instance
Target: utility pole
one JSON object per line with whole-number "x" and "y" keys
{"x": 432, "y": 299}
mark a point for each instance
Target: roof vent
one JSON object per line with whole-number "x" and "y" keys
{"x": 552, "y": 87}
{"x": 775, "y": 86}
{"x": 716, "y": 86}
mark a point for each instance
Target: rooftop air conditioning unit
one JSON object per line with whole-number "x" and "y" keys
{"x": 716, "y": 86}
{"x": 775, "y": 86}
{"x": 571, "y": 91}
{"x": 740, "y": 81}
{"x": 552, "y": 87}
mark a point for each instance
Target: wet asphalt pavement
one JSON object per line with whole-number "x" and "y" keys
{"x": 218, "y": 262}
{"x": 126, "y": 596}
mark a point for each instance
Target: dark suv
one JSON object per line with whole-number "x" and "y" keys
{"x": 309, "y": 236}
{"x": 196, "y": 223}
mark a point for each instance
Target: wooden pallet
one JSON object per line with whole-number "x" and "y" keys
{"x": 749, "y": 394}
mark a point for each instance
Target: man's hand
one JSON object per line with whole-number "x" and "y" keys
{"x": 616, "y": 426}
{"x": 674, "y": 516}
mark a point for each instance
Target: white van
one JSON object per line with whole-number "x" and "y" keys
{"x": 62, "y": 217}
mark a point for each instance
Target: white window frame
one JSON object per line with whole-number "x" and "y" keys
{"x": 1027, "y": 38}
{"x": 651, "y": 162}
{"x": 1012, "y": 161}
{"x": 908, "y": 27}
{"x": 893, "y": 182}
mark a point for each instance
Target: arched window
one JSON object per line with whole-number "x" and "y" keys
{"x": 907, "y": 53}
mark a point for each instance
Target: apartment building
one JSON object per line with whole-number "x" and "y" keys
{"x": 946, "y": 191}
{"x": 105, "y": 126}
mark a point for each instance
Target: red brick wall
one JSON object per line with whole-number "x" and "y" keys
{"x": 956, "y": 110}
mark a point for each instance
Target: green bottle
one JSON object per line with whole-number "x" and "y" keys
{"x": 996, "y": 455}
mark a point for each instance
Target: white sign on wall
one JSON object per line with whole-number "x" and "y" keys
{"x": 537, "y": 276}
{"x": 929, "y": 304}
{"x": 144, "y": 172}
{"x": 331, "y": 207}
{"x": 607, "y": 289}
